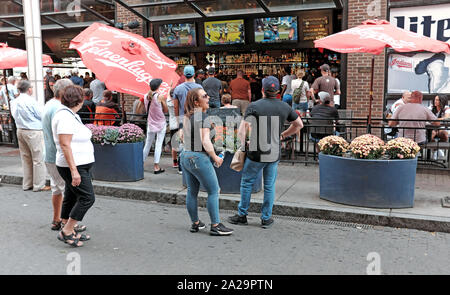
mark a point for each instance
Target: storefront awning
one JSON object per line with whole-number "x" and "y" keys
{"x": 71, "y": 14}
{"x": 57, "y": 14}
{"x": 162, "y": 10}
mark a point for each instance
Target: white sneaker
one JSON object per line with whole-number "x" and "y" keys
{"x": 441, "y": 155}
{"x": 434, "y": 156}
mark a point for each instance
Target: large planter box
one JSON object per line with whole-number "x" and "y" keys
{"x": 230, "y": 180}
{"x": 121, "y": 162}
{"x": 368, "y": 183}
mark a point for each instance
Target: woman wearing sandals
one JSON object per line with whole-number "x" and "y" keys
{"x": 74, "y": 161}
{"x": 196, "y": 162}
{"x": 156, "y": 106}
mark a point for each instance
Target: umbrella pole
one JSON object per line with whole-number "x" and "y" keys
{"x": 369, "y": 122}
{"x": 124, "y": 114}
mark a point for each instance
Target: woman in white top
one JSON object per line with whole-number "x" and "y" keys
{"x": 74, "y": 161}
{"x": 300, "y": 93}
{"x": 173, "y": 126}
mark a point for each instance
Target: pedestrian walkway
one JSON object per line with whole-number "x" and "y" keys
{"x": 297, "y": 194}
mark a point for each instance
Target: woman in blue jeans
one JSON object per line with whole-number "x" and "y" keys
{"x": 196, "y": 162}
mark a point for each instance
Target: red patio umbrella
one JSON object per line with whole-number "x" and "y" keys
{"x": 126, "y": 62}
{"x": 13, "y": 58}
{"x": 375, "y": 35}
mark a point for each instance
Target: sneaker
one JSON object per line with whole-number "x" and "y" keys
{"x": 441, "y": 155}
{"x": 180, "y": 172}
{"x": 237, "y": 219}
{"x": 434, "y": 156}
{"x": 175, "y": 165}
{"x": 267, "y": 223}
{"x": 220, "y": 230}
{"x": 196, "y": 227}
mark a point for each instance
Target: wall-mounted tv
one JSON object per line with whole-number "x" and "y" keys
{"x": 176, "y": 35}
{"x": 224, "y": 32}
{"x": 276, "y": 29}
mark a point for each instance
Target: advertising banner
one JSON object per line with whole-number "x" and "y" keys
{"x": 426, "y": 72}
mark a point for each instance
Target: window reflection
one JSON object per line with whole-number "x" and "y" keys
{"x": 225, "y": 7}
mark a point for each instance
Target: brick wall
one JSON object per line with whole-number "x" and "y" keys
{"x": 124, "y": 16}
{"x": 359, "y": 64}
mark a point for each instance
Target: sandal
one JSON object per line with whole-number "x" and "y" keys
{"x": 159, "y": 171}
{"x": 84, "y": 238}
{"x": 78, "y": 228}
{"x": 63, "y": 238}
{"x": 56, "y": 225}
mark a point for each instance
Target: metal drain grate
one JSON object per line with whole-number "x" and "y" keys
{"x": 281, "y": 217}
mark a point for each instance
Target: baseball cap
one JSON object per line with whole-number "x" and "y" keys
{"x": 271, "y": 84}
{"x": 189, "y": 71}
{"x": 325, "y": 68}
{"x": 155, "y": 83}
{"x": 324, "y": 96}
{"x": 200, "y": 71}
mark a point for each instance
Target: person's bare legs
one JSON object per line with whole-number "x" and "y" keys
{"x": 57, "y": 203}
{"x": 69, "y": 228}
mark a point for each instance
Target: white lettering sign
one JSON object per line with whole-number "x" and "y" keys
{"x": 432, "y": 20}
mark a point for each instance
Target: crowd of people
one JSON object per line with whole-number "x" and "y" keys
{"x": 54, "y": 139}
{"x": 409, "y": 107}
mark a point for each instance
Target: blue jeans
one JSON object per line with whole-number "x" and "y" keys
{"x": 249, "y": 173}
{"x": 303, "y": 106}
{"x": 214, "y": 103}
{"x": 198, "y": 169}
{"x": 287, "y": 98}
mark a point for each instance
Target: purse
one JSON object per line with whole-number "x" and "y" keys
{"x": 237, "y": 163}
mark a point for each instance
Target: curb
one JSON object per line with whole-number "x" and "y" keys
{"x": 226, "y": 202}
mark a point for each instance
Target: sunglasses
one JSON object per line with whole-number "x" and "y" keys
{"x": 204, "y": 96}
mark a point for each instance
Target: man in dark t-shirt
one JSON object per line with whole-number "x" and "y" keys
{"x": 255, "y": 86}
{"x": 265, "y": 119}
{"x": 325, "y": 83}
{"x": 87, "y": 111}
{"x": 323, "y": 111}
{"x": 213, "y": 87}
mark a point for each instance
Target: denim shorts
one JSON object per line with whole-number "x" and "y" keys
{"x": 303, "y": 106}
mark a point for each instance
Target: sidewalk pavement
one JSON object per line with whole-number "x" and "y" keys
{"x": 297, "y": 195}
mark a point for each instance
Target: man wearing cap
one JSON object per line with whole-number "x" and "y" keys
{"x": 325, "y": 83}
{"x": 49, "y": 81}
{"x": 241, "y": 92}
{"x": 213, "y": 88}
{"x": 265, "y": 119}
{"x": 180, "y": 92}
{"x": 200, "y": 77}
{"x": 323, "y": 110}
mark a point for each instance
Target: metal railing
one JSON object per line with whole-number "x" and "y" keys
{"x": 302, "y": 148}
{"x": 7, "y": 130}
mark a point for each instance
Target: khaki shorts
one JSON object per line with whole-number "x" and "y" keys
{"x": 56, "y": 181}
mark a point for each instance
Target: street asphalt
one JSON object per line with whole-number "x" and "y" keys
{"x": 141, "y": 237}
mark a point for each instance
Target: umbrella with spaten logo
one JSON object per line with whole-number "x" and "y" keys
{"x": 124, "y": 61}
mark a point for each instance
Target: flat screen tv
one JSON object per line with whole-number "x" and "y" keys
{"x": 177, "y": 35}
{"x": 276, "y": 29}
{"x": 224, "y": 32}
